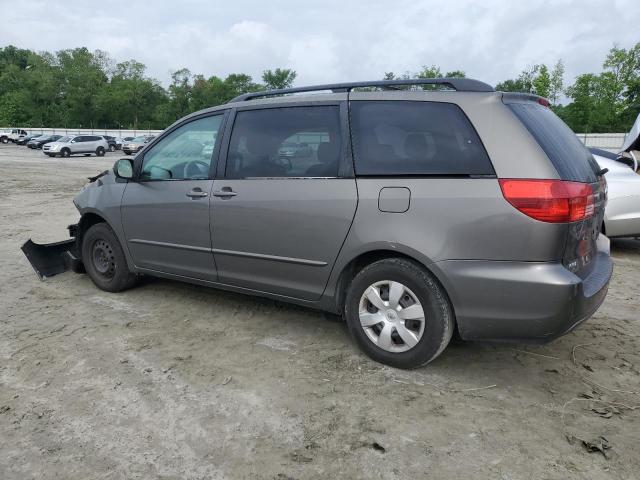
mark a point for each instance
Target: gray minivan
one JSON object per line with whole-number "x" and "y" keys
{"x": 419, "y": 207}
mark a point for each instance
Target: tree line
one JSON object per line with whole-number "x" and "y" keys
{"x": 77, "y": 88}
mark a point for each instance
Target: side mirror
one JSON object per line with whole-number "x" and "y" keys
{"x": 123, "y": 168}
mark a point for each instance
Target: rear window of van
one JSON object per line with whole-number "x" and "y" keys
{"x": 567, "y": 153}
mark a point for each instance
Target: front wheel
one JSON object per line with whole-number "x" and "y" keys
{"x": 104, "y": 259}
{"x": 65, "y": 152}
{"x": 398, "y": 313}
{"x": 100, "y": 151}
{"x": 112, "y": 148}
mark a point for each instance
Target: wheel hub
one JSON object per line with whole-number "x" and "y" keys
{"x": 391, "y": 316}
{"x": 103, "y": 258}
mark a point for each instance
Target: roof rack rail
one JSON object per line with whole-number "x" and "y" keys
{"x": 458, "y": 84}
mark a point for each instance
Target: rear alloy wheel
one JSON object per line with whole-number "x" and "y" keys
{"x": 100, "y": 151}
{"x": 5, "y": 140}
{"x": 112, "y": 148}
{"x": 398, "y": 313}
{"x": 65, "y": 152}
{"x": 104, "y": 259}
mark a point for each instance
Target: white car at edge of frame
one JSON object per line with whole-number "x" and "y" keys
{"x": 622, "y": 213}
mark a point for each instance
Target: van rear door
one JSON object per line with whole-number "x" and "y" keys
{"x": 574, "y": 163}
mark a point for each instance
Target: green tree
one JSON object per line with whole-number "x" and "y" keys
{"x": 180, "y": 93}
{"x": 278, "y": 78}
{"x": 541, "y": 82}
{"x": 557, "y": 83}
{"x": 524, "y": 83}
{"x": 82, "y": 78}
{"x": 608, "y": 101}
{"x": 511, "y": 85}
{"x": 590, "y": 109}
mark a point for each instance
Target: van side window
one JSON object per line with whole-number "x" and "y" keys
{"x": 185, "y": 153}
{"x": 415, "y": 138}
{"x": 285, "y": 142}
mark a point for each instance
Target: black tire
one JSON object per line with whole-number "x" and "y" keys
{"x": 5, "y": 140}
{"x": 112, "y": 148}
{"x": 104, "y": 259}
{"x": 50, "y": 155}
{"x": 100, "y": 151}
{"x": 65, "y": 152}
{"x": 438, "y": 314}
{"x": 87, "y": 154}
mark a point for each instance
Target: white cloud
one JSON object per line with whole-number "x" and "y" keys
{"x": 334, "y": 40}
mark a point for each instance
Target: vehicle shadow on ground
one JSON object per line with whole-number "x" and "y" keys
{"x": 321, "y": 336}
{"x": 631, "y": 245}
{"x": 462, "y": 360}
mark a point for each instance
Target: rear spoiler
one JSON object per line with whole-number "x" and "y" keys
{"x": 517, "y": 97}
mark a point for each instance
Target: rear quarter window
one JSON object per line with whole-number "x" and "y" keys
{"x": 567, "y": 153}
{"x": 400, "y": 138}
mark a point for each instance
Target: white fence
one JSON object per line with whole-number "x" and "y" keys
{"x": 89, "y": 131}
{"x": 606, "y": 141}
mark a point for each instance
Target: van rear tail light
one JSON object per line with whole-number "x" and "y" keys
{"x": 552, "y": 201}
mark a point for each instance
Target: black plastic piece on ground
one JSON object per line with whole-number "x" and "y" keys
{"x": 52, "y": 258}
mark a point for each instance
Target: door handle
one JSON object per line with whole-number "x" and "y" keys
{"x": 197, "y": 193}
{"x": 224, "y": 193}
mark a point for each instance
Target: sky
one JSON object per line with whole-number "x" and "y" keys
{"x": 331, "y": 41}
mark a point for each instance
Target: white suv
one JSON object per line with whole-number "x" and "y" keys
{"x": 13, "y": 135}
{"x": 73, "y": 144}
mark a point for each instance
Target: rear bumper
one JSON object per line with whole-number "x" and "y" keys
{"x": 524, "y": 301}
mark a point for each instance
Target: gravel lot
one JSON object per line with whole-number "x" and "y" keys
{"x": 170, "y": 380}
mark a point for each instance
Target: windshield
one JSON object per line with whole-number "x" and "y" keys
{"x": 64, "y": 139}
{"x": 139, "y": 139}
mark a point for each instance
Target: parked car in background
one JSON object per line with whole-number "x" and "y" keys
{"x": 24, "y": 140}
{"x": 622, "y": 214}
{"x": 461, "y": 208}
{"x": 136, "y": 144}
{"x": 112, "y": 142}
{"x": 76, "y": 144}
{"x": 13, "y": 135}
{"x": 38, "y": 142}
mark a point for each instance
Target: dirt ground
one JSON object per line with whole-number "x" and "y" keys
{"x": 170, "y": 380}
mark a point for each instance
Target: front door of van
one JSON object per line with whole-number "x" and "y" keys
{"x": 280, "y": 212}
{"x": 165, "y": 213}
